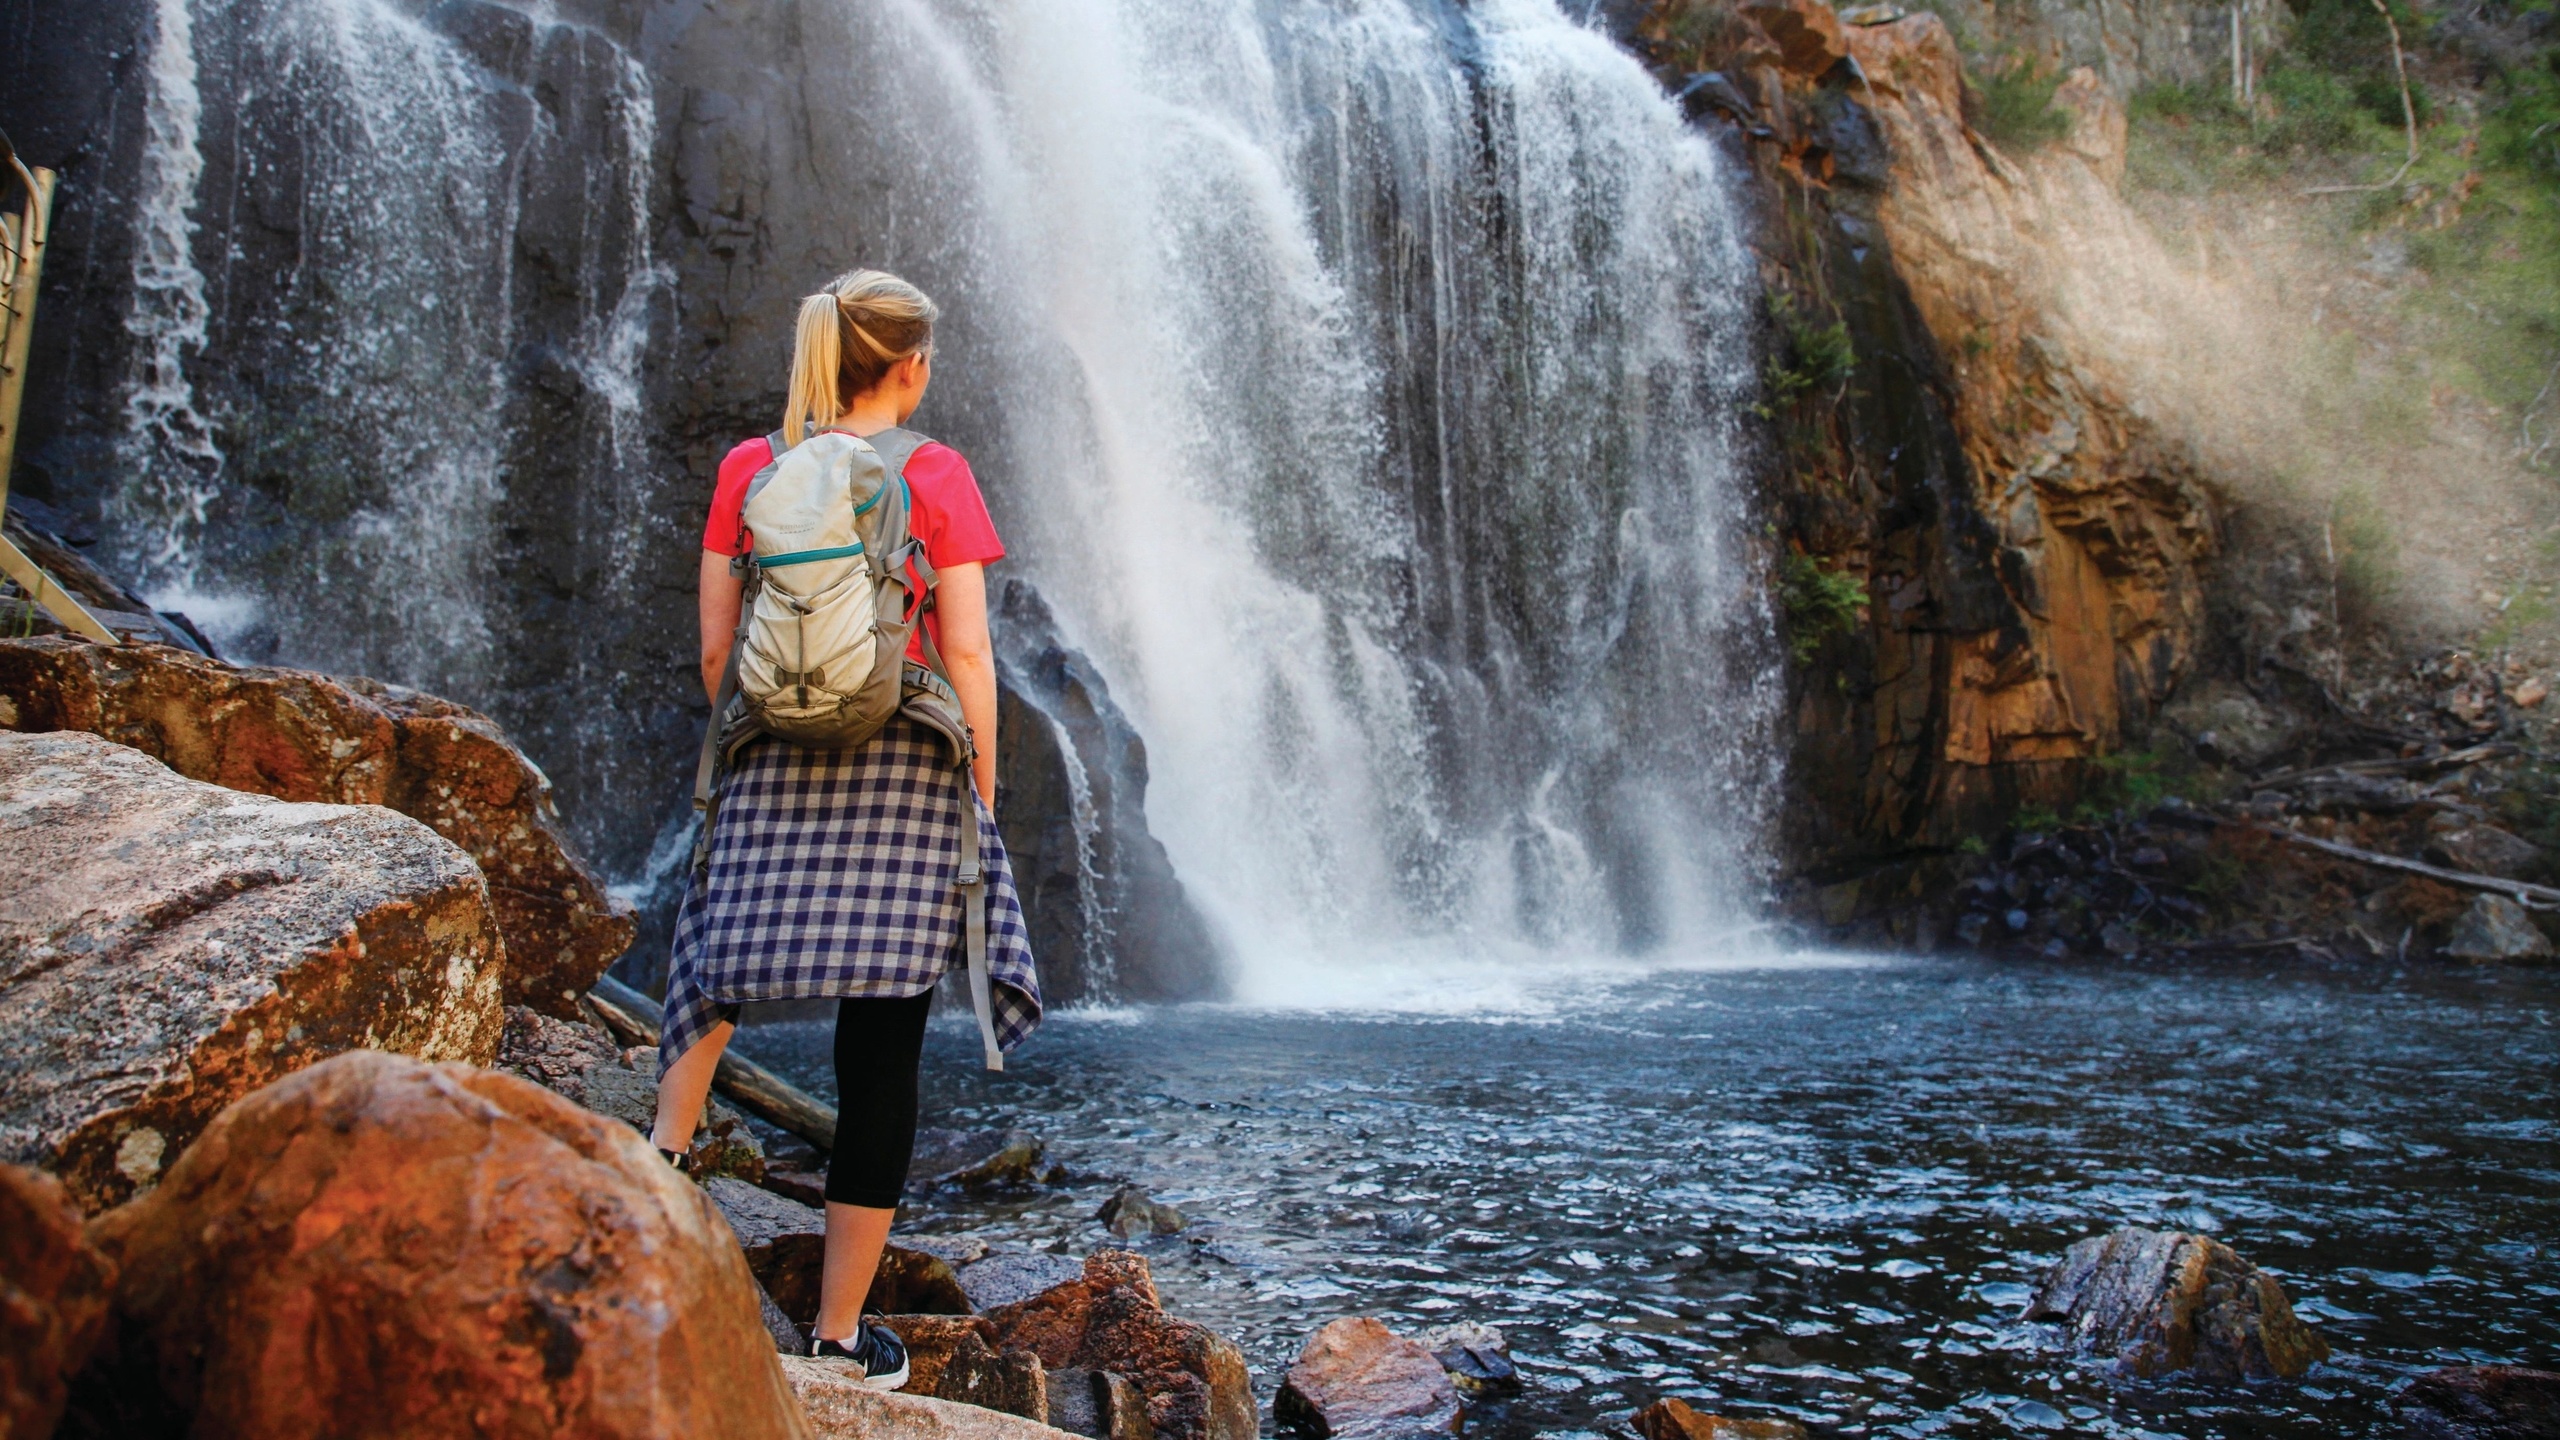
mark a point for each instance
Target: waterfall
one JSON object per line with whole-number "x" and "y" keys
{"x": 1356, "y": 379}
{"x": 1367, "y": 371}
{"x": 330, "y": 234}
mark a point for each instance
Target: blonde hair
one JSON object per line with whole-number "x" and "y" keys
{"x": 848, "y": 336}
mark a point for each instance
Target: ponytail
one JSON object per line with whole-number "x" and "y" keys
{"x": 846, "y": 339}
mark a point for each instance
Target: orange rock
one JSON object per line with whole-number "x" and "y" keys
{"x": 1195, "y": 1381}
{"x": 1675, "y": 1419}
{"x": 1806, "y": 32}
{"x": 1355, "y": 1377}
{"x": 169, "y": 946}
{"x": 2168, "y": 1302}
{"x": 53, "y": 1299}
{"x": 382, "y": 1246}
{"x": 299, "y": 736}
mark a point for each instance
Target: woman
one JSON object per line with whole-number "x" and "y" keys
{"x": 832, "y": 872}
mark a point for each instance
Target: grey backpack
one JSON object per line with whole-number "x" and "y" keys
{"x": 836, "y": 585}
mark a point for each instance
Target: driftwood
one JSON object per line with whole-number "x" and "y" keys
{"x": 2414, "y": 767}
{"x": 2532, "y": 897}
{"x": 757, "y": 1090}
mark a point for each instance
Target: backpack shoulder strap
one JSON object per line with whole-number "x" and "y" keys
{"x": 897, "y": 446}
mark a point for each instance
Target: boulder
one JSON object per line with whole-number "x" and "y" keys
{"x": 841, "y": 1408}
{"x": 300, "y": 736}
{"x": 170, "y": 946}
{"x": 974, "y": 1159}
{"x": 1013, "y": 1381}
{"x": 54, "y": 1288}
{"x": 915, "y": 1282}
{"x": 1806, "y": 32}
{"x": 1477, "y": 1357}
{"x": 440, "y": 1250}
{"x": 2483, "y": 1402}
{"x": 952, "y": 1250}
{"x": 2168, "y": 1302}
{"x": 784, "y": 1241}
{"x": 1132, "y": 1214}
{"x": 1675, "y": 1419}
{"x": 2496, "y": 928}
{"x": 1356, "y": 1377}
{"x": 1098, "y": 1404}
{"x": 931, "y": 1341}
{"x": 1013, "y": 1277}
{"x": 2482, "y": 850}
{"x": 1195, "y": 1381}
{"x": 579, "y": 1060}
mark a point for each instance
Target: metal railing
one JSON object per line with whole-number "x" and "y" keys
{"x": 22, "y": 242}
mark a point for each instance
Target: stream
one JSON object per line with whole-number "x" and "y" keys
{"x": 1818, "y": 1187}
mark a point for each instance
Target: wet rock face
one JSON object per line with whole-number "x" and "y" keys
{"x": 2171, "y": 1303}
{"x": 170, "y": 946}
{"x": 1477, "y": 1357}
{"x": 975, "y": 1159}
{"x": 446, "y": 1251}
{"x": 1108, "y": 917}
{"x": 2483, "y": 1402}
{"x": 1357, "y": 1378}
{"x": 1195, "y": 1381}
{"x": 299, "y": 736}
{"x": 54, "y": 1289}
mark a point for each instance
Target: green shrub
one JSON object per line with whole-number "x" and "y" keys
{"x": 2015, "y": 96}
{"x": 1810, "y": 357}
{"x": 1817, "y": 603}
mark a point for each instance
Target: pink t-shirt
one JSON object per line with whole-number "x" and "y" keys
{"x": 948, "y": 517}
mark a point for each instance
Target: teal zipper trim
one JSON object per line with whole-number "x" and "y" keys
{"x": 803, "y": 557}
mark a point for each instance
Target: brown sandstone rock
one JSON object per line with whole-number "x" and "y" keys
{"x": 54, "y": 1287}
{"x": 1013, "y": 1381}
{"x": 1806, "y": 32}
{"x": 1195, "y": 1381}
{"x": 1098, "y": 1404}
{"x": 931, "y": 1340}
{"x": 841, "y": 1408}
{"x": 1675, "y": 1419}
{"x": 299, "y": 736}
{"x": 170, "y": 946}
{"x": 2167, "y": 1302}
{"x": 1356, "y": 1377}
{"x": 438, "y": 1250}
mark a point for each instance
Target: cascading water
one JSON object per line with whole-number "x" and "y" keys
{"x": 358, "y": 317}
{"x": 1356, "y": 379}
{"x": 1368, "y": 372}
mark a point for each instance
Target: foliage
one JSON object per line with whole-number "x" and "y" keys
{"x": 1809, "y": 357}
{"x": 2014, "y": 94}
{"x": 1818, "y": 603}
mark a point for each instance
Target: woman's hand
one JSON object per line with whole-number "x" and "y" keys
{"x": 960, "y": 599}
{"x": 722, "y": 589}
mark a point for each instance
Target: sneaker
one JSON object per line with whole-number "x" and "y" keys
{"x": 683, "y": 1164}
{"x": 879, "y": 1357}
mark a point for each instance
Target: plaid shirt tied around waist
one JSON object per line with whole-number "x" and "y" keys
{"x": 833, "y": 873}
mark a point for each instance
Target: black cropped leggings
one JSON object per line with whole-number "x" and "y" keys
{"x": 879, "y": 1044}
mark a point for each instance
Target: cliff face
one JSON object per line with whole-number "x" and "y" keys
{"x": 1954, "y": 427}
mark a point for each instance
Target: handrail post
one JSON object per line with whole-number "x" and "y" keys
{"x": 22, "y": 266}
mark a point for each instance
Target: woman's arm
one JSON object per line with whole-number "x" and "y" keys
{"x": 960, "y": 598}
{"x": 721, "y": 589}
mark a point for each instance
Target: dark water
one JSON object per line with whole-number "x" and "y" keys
{"x": 1822, "y": 1192}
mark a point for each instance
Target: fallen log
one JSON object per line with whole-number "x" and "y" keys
{"x": 2532, "y": 897}
{"x": 2421, "y": 765}
{"x": 757, "y": 1090}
